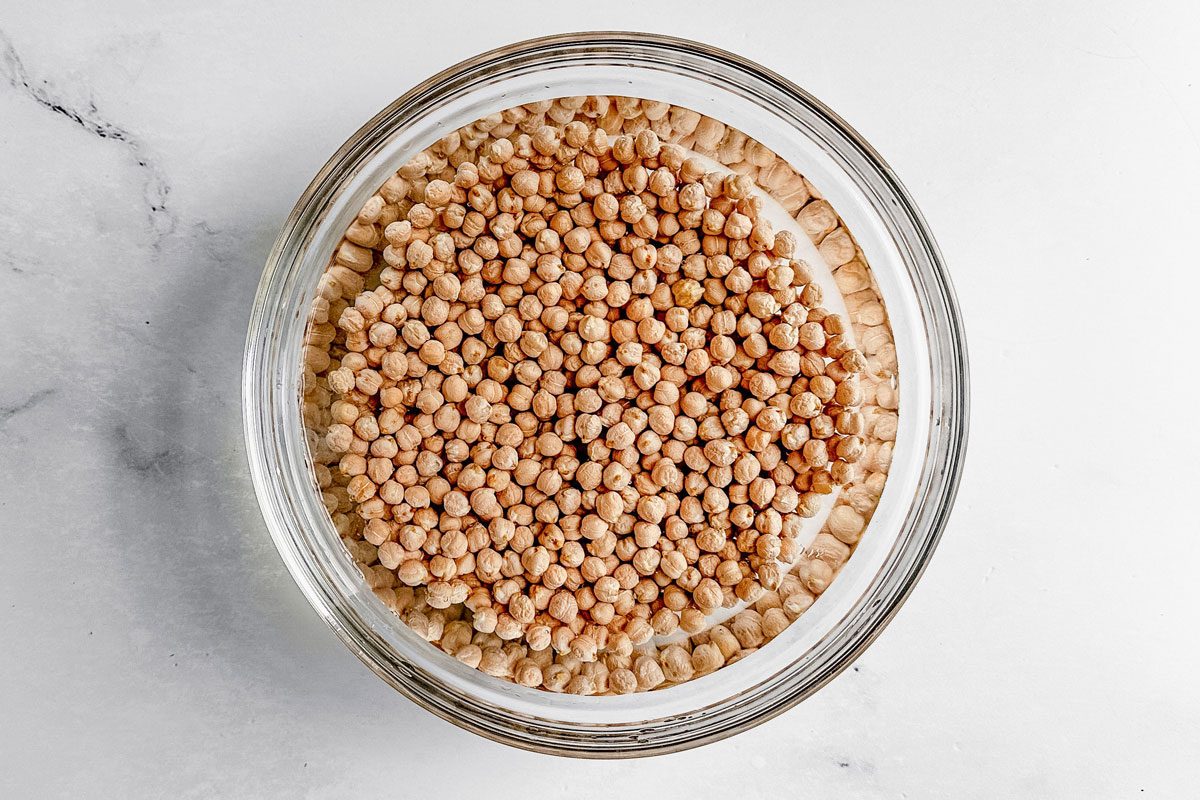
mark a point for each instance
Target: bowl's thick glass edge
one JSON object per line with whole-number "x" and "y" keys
{"x": 926, "y": 522}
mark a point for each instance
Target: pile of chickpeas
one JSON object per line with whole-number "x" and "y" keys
{"x": 570, "y": 397}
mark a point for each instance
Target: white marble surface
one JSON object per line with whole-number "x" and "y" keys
{"x": 152, "y": 643}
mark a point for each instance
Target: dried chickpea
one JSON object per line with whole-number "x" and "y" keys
{"x": 588, "y": 390}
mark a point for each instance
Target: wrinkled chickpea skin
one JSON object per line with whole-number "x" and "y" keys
{"x": 567, "y": 392}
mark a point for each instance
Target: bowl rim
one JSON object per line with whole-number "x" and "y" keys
{"x": 547, "y": 736}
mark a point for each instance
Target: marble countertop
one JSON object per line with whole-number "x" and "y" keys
{"x": 154, "y": 645}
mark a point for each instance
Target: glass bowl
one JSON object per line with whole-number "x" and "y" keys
{"x": 929, "y": 443}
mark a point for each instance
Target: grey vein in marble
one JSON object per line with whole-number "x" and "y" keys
{"x": 8, "y": 412}
{"x": 140, "y": 459}
{"x": 41, "y": 91}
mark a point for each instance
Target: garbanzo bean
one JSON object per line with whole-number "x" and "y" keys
{"x": 592, "y": 393}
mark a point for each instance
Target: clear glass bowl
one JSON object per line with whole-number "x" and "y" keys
{"x": 930, "y": 351}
